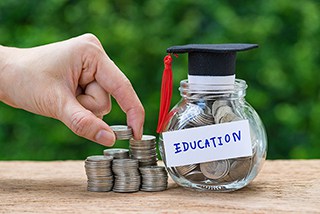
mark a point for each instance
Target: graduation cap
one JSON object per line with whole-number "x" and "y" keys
{"x": 212, "y": 64}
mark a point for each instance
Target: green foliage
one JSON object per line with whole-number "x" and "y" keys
{"x": 283, "y": 74}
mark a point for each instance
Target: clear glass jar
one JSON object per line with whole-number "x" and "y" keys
{"x": 206, "y": 105}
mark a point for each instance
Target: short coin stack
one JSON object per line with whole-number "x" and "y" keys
{"x": 126, "y": 174}
{"x": 154, "y": 178}
{"x": 99, "y": 174}
{"x": 122, "y": 132}
{"x": 144, "y": 150}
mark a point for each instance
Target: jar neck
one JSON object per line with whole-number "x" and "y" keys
{"x": 211, "y": 91}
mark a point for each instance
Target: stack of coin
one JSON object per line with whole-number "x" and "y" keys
{"x": 126, "y": 174}
{"x": 154, "y": 178}
{"x": 144, "y": 150}
{"x": 122, "y": 132}
{"x": 117, "y": 153}
{"x": 98, "y": 170}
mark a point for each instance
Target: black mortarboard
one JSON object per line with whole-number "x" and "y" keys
{"x": 211, "y": 63}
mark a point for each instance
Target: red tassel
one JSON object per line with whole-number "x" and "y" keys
{"x": 166, "y": 92}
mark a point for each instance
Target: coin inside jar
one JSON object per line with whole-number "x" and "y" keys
{"x": 217, "y": 104}
{"x": 195, "y": 176}
{"x": 215, "y": 169}
{"x": 183, "y": 170}
{"x": 240, "y": 168}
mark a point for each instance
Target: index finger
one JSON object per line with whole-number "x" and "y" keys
{"x": 110, "y": 77}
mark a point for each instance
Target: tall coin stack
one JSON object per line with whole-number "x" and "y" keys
{"x": 99, "y": 174}
{"x": 154, "y": 178}
{"x": 144, "y": 150}
{"x": 126, "y": 174}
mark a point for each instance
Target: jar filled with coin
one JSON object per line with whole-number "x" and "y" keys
{"x": 212, "y": 139}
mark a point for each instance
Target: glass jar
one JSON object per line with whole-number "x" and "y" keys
{"x": 205, "y": 104}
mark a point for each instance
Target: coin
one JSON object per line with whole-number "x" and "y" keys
{"x": 215, "y": 169}
{"x": 154, "y": 178}
{"x": 183, "y": 170}
{"x": 240, "y": 168}
{"x": 99, "y": 174}
{"x": 220, "y": 112}
{"x": 218, "y": 103}
{"x": 127, "y": 176}
{"x": 99, "y": 158}
{"x": 144, "y": 150}
{"x": 122, "y": 132}
{"x": 195, "y": 176}
{"x": 201, "y": 120}
{"x": 117, "y": 153}
{"x": 229, "y": 117}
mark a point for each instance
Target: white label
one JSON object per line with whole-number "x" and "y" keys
{"x": 207, "y": 143}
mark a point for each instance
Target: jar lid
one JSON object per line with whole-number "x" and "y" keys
{"x": 211, "y": 63}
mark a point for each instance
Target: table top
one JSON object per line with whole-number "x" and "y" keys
{"x": 282, "y": 186}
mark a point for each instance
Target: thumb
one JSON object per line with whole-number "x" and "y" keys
{"x": 85, "y": 124}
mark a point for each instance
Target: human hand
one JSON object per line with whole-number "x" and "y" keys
{"x": 70, "y": 81}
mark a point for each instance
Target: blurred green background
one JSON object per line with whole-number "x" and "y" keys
{"x": 283, "y": 74}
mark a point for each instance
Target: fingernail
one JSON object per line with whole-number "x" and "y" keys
{"x": 138, "y": 134}
{"x": 105, "y": 138}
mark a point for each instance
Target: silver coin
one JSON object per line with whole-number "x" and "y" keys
{"x": 183, "y": 170}
{"x": 240, "y": 168}
{"x": 117, "y": 153}
{"x": 148, "y": 138}
{"x": 153, "y": 189}
{"x": 222, "y": 111}
{"x": 144, "y": 150}
{"x": 127, "y": 176}
{"x": 99, "y": 174}
{"x": 229, "y": 117}
{"x": 145, "y": 140}
{"x": 218, "y": 103}
{"x": 122, "y": 132}
{"x": 215, "y": 169}
{"x": 202, "y": 120}
{"x": 98, "y": 158}
{"x": 195, "y": 176}
{"x": 154, "y": 178}
{"x": 99, "y": 189}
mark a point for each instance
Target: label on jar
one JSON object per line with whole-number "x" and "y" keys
{"x": 207, "y": 143}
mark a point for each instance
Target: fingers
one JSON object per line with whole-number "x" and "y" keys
{"x": 85, "y": 124}
{"x": 116, "y": 83}
{"x": 97, "y": 66}
{"x": 95, "y": 99}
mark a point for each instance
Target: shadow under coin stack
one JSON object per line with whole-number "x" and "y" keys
{"x": 154, "y": 178}
{"x": 144, "y": 150}
{"x": 126, "y": 174}
{"x": 99, "y": 174}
